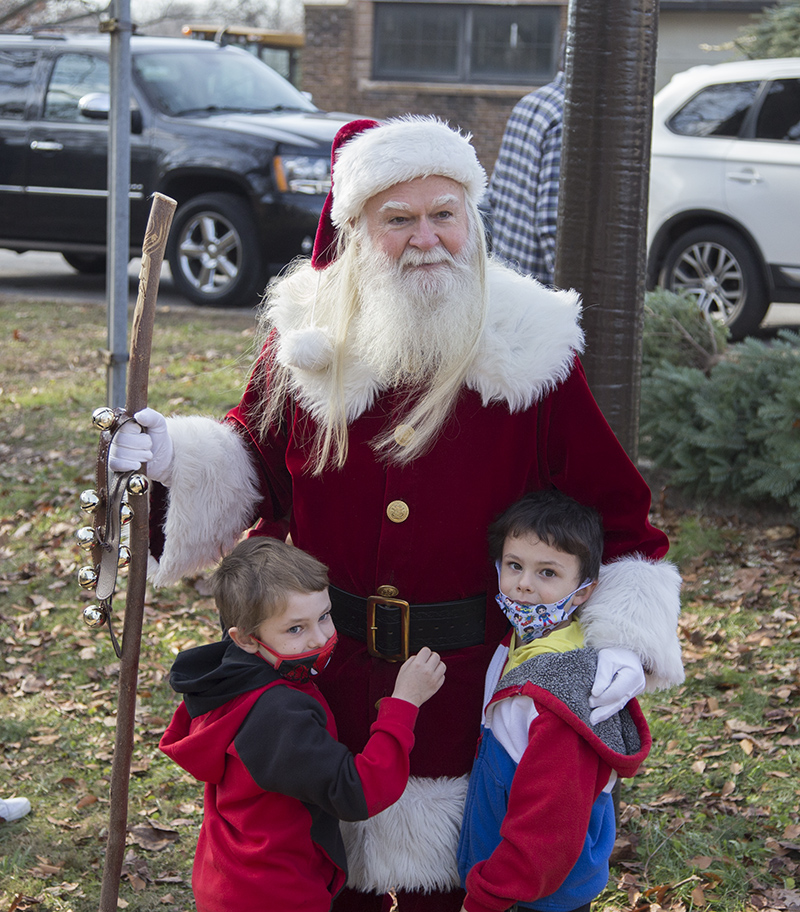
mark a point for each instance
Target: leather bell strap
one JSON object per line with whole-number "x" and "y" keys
{"x": 111, "y": 488}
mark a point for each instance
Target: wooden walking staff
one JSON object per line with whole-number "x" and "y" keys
{"x": 153, "y": 246}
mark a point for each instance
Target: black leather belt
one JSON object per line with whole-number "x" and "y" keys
{"x": 394, "y": 630}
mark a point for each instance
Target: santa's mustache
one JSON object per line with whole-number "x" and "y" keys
{"x": 413, "y": 257}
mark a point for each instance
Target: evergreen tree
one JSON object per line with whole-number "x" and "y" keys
{"x": 775, "y": 33}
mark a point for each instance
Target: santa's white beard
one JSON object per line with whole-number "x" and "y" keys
{"x": 414, "y": 322}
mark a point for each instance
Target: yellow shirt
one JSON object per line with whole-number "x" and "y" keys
{"x": 564, "y": 640}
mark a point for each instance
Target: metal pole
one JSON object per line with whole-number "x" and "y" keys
{"x": 118, "y": 206}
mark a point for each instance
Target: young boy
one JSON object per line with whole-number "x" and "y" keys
{"x": 539, "y": 823}
{"x": 254, "y": 727}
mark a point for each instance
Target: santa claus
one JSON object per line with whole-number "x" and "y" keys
{"x": 407, "y": 390}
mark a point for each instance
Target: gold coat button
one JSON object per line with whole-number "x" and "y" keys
{"x": 403, "y": 434}
{"x": 397, "y": 511}
{"x": 388, "y": 591}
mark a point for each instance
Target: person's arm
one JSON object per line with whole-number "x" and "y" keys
{"x": 545, "y": 194}
{"x": 287, "y": 748}
{"x": 543, "y": 833}
{"x": 221, "y": 476}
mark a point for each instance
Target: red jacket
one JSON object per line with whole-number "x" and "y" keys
{"x": 277, "y": 782}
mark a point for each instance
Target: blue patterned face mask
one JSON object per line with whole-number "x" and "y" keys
{"x": 533, "y": 621}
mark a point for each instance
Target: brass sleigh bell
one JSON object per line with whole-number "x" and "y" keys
{"x": 137, "y": 484}
{"x": 87, "y": 577}
{"x": 103, "y": 418}
{"x": 94, "y": 615}
{"x": 87, "y": 537}
{"x": 90, "y": 501}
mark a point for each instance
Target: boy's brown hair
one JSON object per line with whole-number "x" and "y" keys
{"x": 253, "y": 582}
{"x": 557, "y": 520}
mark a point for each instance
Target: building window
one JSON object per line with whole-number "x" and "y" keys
{"x": 441, "y": 42}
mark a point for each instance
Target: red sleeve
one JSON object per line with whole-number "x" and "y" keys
{"x": 544, "y": 829}
{"x": 587, "y": 462}
{"x": 383, "y": 765}
{"x": 302, "y": 758}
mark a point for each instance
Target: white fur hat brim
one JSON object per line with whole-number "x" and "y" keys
{"x": 401, "y": 150}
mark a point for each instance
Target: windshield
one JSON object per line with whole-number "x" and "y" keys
{"x": 226, "y": 79}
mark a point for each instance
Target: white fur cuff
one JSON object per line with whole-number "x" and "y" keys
{"x": 212, "y": 497}
{"x": 411, "y": 845}
{"x": 636, "y": 605}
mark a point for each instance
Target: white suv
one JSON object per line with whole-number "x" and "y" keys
{"x": 724, "y": 217}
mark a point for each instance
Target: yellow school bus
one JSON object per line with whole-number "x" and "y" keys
{"x": 281, "y": 50}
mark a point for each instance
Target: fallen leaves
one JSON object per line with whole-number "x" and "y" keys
{"x": 706, "y": 824}
{"x": 44, "y": 868}
{"x": 152, "y": 836}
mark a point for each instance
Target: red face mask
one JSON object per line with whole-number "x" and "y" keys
{"x": 302, "y": 665}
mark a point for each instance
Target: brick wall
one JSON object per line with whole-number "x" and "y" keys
{"x": 327, "y": 57}
{"x": 337, "y": 70}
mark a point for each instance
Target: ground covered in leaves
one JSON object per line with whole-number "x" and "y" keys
{"x": 712, "y": 822}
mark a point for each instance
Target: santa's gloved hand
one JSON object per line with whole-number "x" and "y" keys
{"x": 619, "y": 678}
{"x": 144, "y": 440}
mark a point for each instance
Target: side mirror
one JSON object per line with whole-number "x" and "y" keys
{"x": 97, "y": 106}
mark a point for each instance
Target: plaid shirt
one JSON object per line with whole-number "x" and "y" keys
{"x": 523, "y": 191}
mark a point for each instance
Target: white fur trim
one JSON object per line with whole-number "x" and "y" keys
{"x": 636, "y": 605}
{"x": 529, "y": 342}
{"x": 309, "y": 349}
{"x": 412, "y": 844}
{"x": 205, "y": 518}
{"x": 400, "y": 150}
{"x": 532, "y": 333}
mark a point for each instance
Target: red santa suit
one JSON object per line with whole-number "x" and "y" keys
{"x": 525, "y": 420}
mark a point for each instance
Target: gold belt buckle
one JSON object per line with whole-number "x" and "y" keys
{"x": 405, "y": 621}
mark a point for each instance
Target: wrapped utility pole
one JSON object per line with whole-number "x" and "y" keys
{"x": 602, "y": 211}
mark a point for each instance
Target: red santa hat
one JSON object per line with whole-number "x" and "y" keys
{"x": 369, "y": 157}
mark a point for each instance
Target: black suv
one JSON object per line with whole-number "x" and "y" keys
{"x": 244, "y": 153}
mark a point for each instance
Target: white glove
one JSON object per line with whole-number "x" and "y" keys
{"x": 619, "y": 678}
{"x": 131, "y": 446}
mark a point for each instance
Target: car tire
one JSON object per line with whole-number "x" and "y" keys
{"x": 214, "y": 254}
{"x": 86, "y": 263}
{"x": 714, "y": 264}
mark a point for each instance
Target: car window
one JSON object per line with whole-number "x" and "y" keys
{"x": 74, "y": 75}
{"x": 189, "y": 83}
{"x": 779, "y": 117}
{"x": 16, "y": 68}
{"x": 717, "y": 110}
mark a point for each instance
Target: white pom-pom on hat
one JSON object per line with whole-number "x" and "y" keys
{"x": 308, "y": 349}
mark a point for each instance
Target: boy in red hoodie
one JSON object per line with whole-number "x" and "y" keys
{"x": 254, "y": 727}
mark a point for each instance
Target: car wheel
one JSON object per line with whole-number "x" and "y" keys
{"x": 86, "y": 263}
{"x": 213, "y": 252}
{"x": 718, "y": 268}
